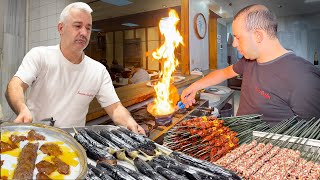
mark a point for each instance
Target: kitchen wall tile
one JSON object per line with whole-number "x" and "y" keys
{"x": 35, "y": 3}
{"x": 29, "y": 40}
{"x": 52, "y": 33}
{"x": 57, "y": 41}
{"x": 35, "y": 25}
{"x": 44, "y": 23}
{"x": 52, "y": 21}
{"x": 45, "y": 2}
{"x": 58, "y": 17}
{"x": 57, "y": 34}
{"x": 35, "y": 36}
{"x": 53, "y": 1}
{"x": 35, "y": 13}
{"x": 43, "y": 43}
{"x": 60, "y": 5}
{"x": 32, "y": 45}
{"x": 43, "y": 11}
{"x": 43, "y": 35}
{"x": 52, "y": 9}
{"x": 51, "y": 42}
{"x": 70, "y": 1}
{"x": 1, "y": 44}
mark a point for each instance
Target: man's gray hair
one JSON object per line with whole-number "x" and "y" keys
{"x": 259, "y": 18}
{"x": 76, "y": 5}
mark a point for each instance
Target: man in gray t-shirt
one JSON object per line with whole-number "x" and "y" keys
{"x": 276, "y": 82}
{"x": 279, "y": 89}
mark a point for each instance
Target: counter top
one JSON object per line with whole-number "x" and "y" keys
{"x": 133, "y": 94}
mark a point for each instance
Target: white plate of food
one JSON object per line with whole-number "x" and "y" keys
{"x": 178, "y": 78}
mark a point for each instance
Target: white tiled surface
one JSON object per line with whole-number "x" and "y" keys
{"x": 44, "y": 23}
{"x": 43, "y": 20}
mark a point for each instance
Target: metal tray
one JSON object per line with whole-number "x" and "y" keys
{"x": 55, "y": 133}
{"x": 109, "y": 128}
{"x": 309, "y": 146}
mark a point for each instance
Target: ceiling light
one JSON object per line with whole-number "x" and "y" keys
{"x": 117, "y": 2}
{"x": 130, "y": 24}
{"x": 164, "y": 6}
{"x": 96, "y": 30}
{"x": 311, "y": 1}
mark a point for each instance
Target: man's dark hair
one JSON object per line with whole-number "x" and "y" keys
{"x": 261, "y": 18}
{"x": 137, "y": 65}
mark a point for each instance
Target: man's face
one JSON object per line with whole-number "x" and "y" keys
{"x": 76, "y": 30}
{"x": 243, "y": 39}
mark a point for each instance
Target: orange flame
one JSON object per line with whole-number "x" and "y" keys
{"x": 164, "y": 104}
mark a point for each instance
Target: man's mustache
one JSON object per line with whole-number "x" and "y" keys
{"x": 83, "y": 38}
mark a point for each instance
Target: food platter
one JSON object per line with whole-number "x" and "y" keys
{"x": 72, "y": 152}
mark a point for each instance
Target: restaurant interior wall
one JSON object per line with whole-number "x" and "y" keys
{"x": 199, "y": 48}
{"x": 43, "y": 19}
{"x": 2, "y": 4}
{"x": 222, "y": 48}
{"x": 154, "y": 40}
{"x": 300, "y": 33}
{"x": 44, "y": 15}
{"x": 13, "y": 32}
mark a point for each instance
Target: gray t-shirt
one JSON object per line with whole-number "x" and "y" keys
{"x": 286, "y": 86}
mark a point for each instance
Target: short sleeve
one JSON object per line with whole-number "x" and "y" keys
{"x": 107, "y": 94}
{"x": 30, "y": 67}
{"x": 239, "y": 66}
{"x": 304, "y": 100}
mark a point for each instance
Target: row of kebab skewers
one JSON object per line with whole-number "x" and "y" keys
{"x": 147, "y": 160}
{"x": 269, "y": 158}
{"x": 209, "y": 138}
{"x": 264, "y": 158}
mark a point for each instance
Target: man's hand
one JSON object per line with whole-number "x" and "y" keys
{"x": 188, "y": 95}
{"x": 134, "y": 127}
{"x": 121, "y": 116}
{"x": 24, "y": 116}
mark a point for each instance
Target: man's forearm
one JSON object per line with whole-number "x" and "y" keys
{"x": 119, "y": 114}
{"x": 15, "y": 95}
{"x": 215, "y": 77}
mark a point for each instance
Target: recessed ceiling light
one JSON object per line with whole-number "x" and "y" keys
{"x": 117, "y": 2}
{"x": 96, "y": 30}
{"x": 311, "y": 1}
{"x": 130, "y": 24}
{"x": 164, "y": 6}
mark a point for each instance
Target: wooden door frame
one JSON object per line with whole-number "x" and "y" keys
{"x": 185, "y": 53}
{"x": 213, "y": 32}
